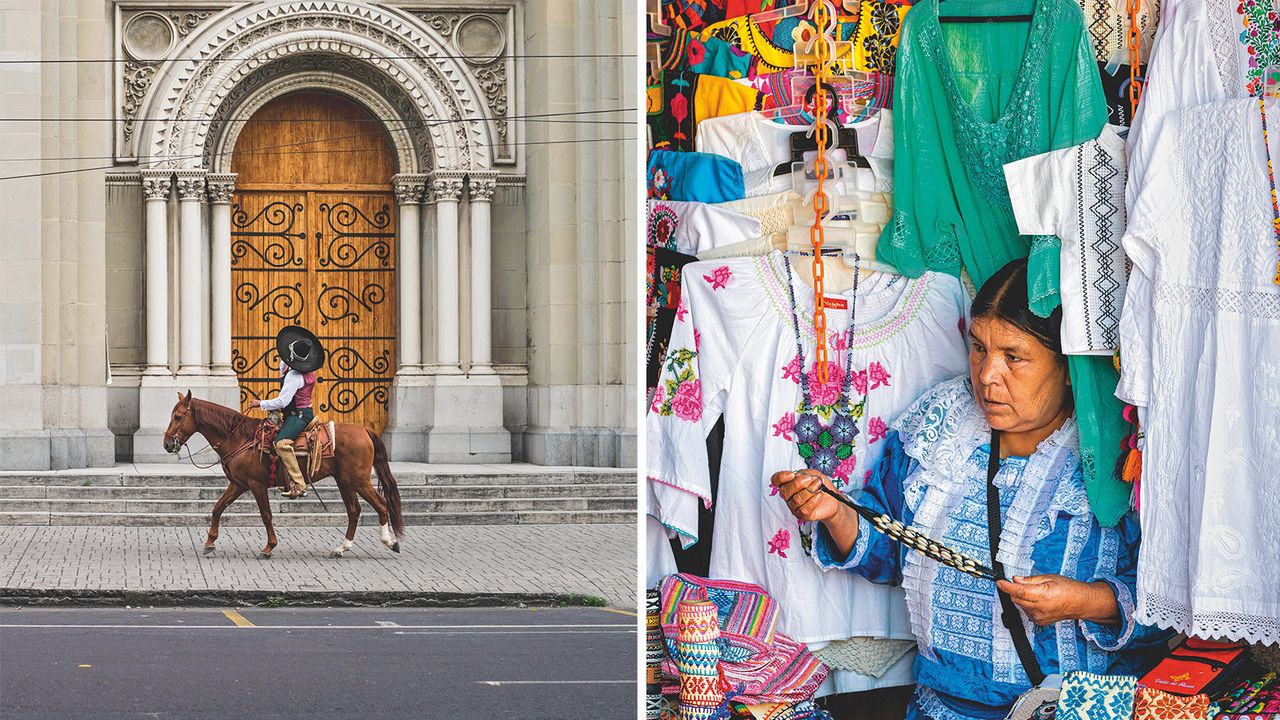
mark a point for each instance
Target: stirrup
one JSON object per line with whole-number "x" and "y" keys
{"x": 290, "y": 494}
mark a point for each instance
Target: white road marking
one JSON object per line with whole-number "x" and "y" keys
{"x": 497, "y": 683}
{"x": 465, "y": 628}
{"x": 386, "y": 623}
{"x": 522, "y": 632}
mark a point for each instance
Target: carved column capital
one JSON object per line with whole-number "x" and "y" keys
{"x": 482, "y": 185}
{"x": 446, "y": 187}
{"x": 221, "y": 187}
{"x": 410, "y": 188}
{"x": 190, "y": 184}
{"x": 156, "y": 184}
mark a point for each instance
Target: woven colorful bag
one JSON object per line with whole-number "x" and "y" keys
{"x": 652, "y": 656}
{"x": 1086, "y": 696}
{"x": 698, "y": 660}
{"x": 1152, "y": 704}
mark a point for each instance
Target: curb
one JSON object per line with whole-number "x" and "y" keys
{"x": 292, "y": 599}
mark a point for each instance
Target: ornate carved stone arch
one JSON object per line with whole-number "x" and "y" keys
{"x": 186, "y": 99}
{"x": 413, "y": 149}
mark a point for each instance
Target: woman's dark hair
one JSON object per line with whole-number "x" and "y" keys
{"x": 1004, "y": 297}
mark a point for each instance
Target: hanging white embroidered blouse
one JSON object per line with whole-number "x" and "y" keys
{"x": 1204, "y": 52}
{"x": 1077, "y": 193}
{"x": 733, "y": 353}
{"x": 1201, "y": 230}
{"x": 693, "y": 227}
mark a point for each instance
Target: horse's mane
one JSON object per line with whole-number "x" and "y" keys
{"x": 217, "y": 417}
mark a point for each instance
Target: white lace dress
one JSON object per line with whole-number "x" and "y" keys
{"x": 1201, "y": 230}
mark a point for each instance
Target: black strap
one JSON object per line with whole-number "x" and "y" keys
{"x": 1009, "y": 614}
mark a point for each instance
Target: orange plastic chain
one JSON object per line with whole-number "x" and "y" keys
{"x": 1135, "y": 57}
{"x": 821, "y": 167}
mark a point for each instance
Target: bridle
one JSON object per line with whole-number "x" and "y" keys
{"x": 222, "y": 460}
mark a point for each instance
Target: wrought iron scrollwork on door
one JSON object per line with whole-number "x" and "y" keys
{"x": 338, "y": 303}
{"x": 283, "y": 301}
{"x": 353, "y": 235}
{"x": 271, "y": 238}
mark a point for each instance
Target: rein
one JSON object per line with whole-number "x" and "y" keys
{"x": 221, "y": 459}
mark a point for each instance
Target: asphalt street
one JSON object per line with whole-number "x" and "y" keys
{"x": 269, "y": 663}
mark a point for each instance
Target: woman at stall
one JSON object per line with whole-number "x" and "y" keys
{"x": 1071, "y": 580}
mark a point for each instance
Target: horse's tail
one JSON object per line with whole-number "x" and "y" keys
{"x": 387, "y": 487}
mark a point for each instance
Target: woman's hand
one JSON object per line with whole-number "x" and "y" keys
{"x": 1048, "y": 599}
{"x": 804, "y": 497}
{"x": 803, "y": 494}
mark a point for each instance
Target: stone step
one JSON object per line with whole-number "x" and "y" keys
{"x": 332, "y": 519}
{"x": 310, "y": 504}
{"x": 403, "y": 479}
{"x": 409, "y": 492}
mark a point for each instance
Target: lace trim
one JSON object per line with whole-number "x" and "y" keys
{"x": 933, "y": 707}
{"x": 1224, "y": 36}
{"x": 1165, "y": 612}
{"x": 1250, "y": 303}
{"x": 986, "y": 146}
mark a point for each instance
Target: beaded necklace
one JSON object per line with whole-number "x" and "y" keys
{"x": 1271, "y": 177}
{"x": 824, "y": 446}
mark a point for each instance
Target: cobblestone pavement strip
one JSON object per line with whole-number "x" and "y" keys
{"x": 587, "y": 560}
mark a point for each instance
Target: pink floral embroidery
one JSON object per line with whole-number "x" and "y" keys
{"x": 791, "y": 371}
{"x": 826, "y": 393}
{"x": 839, "y": 342}
{"x": 866, "y": 478}
{"x": 876, "y": 429}
{"x": 780, "y": 543}
{"x": 773, "y": 489}
{"x": 681, "y": 310}
{"x": 860, "y": 382}
{"x": 687, "y": 402}
{"x": 879, "y": 376}
{"x": 656, "y": 405}
{"x": 845, "y": 469}
{"x": 697, "y": 339}
{"x": 719, "y": 278}
{"x": 784, "y": 426}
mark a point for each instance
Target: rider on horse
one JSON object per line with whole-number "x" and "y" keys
{"x": 300, "y": 356}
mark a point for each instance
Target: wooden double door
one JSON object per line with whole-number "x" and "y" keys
{"x": 313, "y": 243}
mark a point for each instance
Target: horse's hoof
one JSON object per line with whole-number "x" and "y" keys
{"x": 208, "y": 550}
{"x": 264, "y": 556}
{"x": 335, "y": 554}
{"x": 395, "y": 548}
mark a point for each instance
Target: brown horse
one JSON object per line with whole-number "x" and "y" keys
{"x": 231, "y": 435}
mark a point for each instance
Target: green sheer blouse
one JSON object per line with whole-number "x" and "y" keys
{"x": 969, "y": 98}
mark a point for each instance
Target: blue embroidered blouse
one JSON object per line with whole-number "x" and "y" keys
{"x": 933, "y": 478}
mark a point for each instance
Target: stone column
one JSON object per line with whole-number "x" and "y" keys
{"x": 155, "y": 190}
{"x": 190, "y": 193}
{"x": 221, "y": 187}
{"x": 481, "y": 186}
{"x": 446, "y": 191}
{"x": 409, "y": 191}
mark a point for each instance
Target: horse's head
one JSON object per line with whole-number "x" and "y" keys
{"x": 181, "y": 425}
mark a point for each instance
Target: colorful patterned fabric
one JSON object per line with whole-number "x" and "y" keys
{"x": 697, "y": 657}
{"x": 1153, "y": 704}
{"x": 679, "y": 99}
{"x": 652, "y": 655}
{"x": 759, "y": 664}
{"x": 1086, "y": 696}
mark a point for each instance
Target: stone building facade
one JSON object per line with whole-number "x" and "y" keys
{"x": 467, "y": 260}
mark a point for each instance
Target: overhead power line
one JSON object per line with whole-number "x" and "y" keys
{"x": 114, "y": 61}
{"x": 72, "y": 171}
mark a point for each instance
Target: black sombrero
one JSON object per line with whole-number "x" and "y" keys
{"x": 300, "y": 349}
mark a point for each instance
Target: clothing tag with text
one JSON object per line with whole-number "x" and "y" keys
{"x": 834, "y": 303}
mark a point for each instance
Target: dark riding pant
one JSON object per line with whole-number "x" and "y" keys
{"x": 295, "y": 421}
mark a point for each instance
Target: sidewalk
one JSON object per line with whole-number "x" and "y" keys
{"x": 478, "y": 564}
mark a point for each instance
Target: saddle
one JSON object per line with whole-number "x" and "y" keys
{"x": 317, "y": 441}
